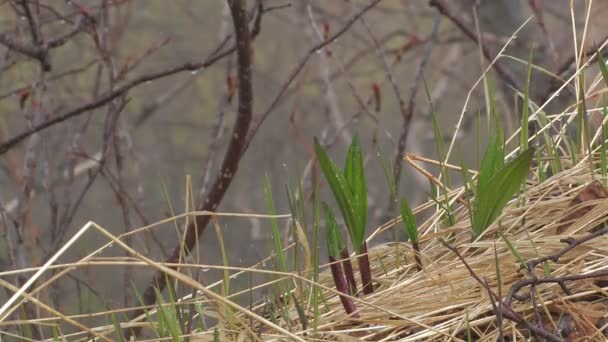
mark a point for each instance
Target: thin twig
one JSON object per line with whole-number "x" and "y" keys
{"x": 299, "y": 67}
{"x": 408, "y": 112}
{"x": 464, "y": 23}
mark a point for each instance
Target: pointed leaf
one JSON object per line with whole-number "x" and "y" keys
{"x": 354, "y": 173}
{"x": 493, "y": 159}
{"x": 492, "y": 196}
{"x": 603, "y": 67}
{"x": 335, "y": 244}
{"x": 341, "y": 190}
{"x": 409, "y": 221}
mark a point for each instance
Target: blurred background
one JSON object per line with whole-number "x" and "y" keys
{"x": 143, "y": 94}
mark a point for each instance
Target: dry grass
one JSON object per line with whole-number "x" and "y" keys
{"x": 445, "y": 301}
{"x": 438, "y": 303}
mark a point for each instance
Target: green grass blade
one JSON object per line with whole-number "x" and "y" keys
{"x": 302, "y": 202}
{"x": 278, "y": 243}
{"x": 216, "y": 335}
{"x": 300, "y": 310}
{"x": 409, "y": 221}
{"x": 198, "y": 306}
{"x": 167, "y": 321}
{"x": 291, "y": 201}
{"x": 388, "y": 174}
{"x": 468, "y": 324}
{"x": 117, "y": 328}
{"x": 315, "y": 263}
{"x": 572, "y": 149}
{"x": 556, "y": 165}
{"x": 513, "y": 249}
{"x": 603, "y": 67}
{"x": 542, "y": 173}
{"x": 56, "y": 333}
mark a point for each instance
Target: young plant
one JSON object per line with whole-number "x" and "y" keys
{"x": 448, "y": 217}
{"x": 409, "y": 223}
{"x": 497, "y": 183}
{"x": 350, "y": 190}
{"x": 604, "y": 70}
{"x": 335, "y": 245}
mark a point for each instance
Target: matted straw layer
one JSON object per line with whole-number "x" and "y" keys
{"x": 444, "y": 302}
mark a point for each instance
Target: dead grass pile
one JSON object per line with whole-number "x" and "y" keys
{"x": 541, "y": 271}
{"x": 480, "y": 289}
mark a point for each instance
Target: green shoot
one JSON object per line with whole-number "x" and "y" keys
{"x": 497, "y": 183}
{"x": 556, "y": 166}
{"x": 278, "y": 244}
{"x": 411, "y": 229}
{"x": 117, "y": 329}
{"x": 315, "y": 262}
{"x": 441, "y": 153}
{"x": 513, "y": 249}
{"x": 350, "y": 191}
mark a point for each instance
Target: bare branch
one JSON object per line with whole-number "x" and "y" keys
{"x": 296, "y": 71}
{"x": 231, "y": 158}
{"x": 105, "y": 99}
{"x": 464, "y": 23}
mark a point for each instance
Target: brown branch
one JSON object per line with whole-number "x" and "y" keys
{"x": 464, "y": 23}
{"x": 216, "y": 134}
{"x": 533, "y": 281}
{"x": 40, "y": 49}
{"x": 231, "y": 159}
{"x": 567, "y": 65}
{"x": 561, "y": 281}
{"x": 55, "y": 77}
{"x": 572, "y": 243}
{"x": 408, "y": 112}
{"x": 505, "y": 310}
{"x": 300, "y": 66}
{"x": 105, "y": 99}
{"x": 34, "y": 30}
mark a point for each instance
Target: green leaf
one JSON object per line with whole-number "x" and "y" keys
{"x": 276, "y": 234}
{"x": 492, "y": 195}
{"x": 409, "y": 221}
{"x": 335, "y": 244}
{"x": 493, "y": 159}
{"x": 342, "y": 192}
{"x": 354, "y": 173}
{"x": 603, "y": 67}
